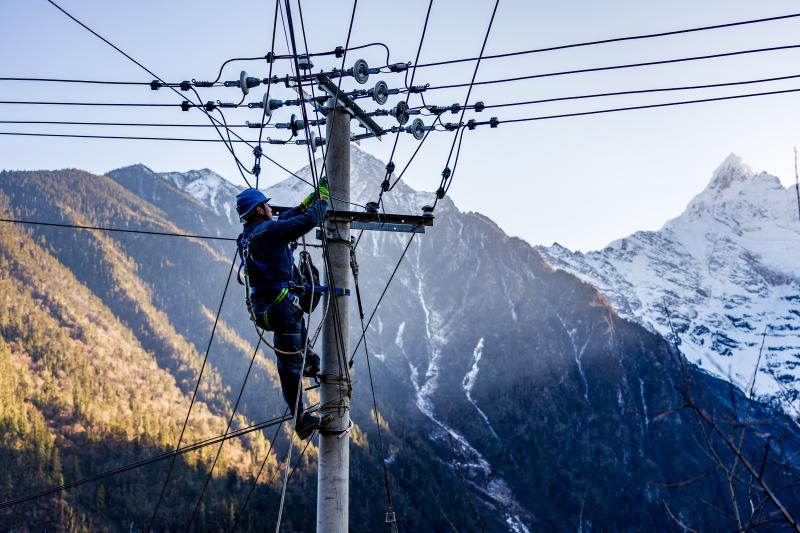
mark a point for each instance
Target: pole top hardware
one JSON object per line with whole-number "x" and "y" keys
{"x": 417, "y": 129}
{"x": 398, "y": 67}
{"x": 360, "y": 71}
{"x": 349, "y": 105}
{"x": 305, "y": 62}
{"x": 400, "y": 112}
{"x": 379, "y": 93}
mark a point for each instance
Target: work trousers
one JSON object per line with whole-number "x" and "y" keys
{"x": 286, "y": 321}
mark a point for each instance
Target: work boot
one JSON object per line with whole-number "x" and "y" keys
{"x": 312, "y": 364}
{"x": 306, "y": 425}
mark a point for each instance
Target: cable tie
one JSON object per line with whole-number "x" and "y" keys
{"x": 478, "y": 107}
{"x": 155, "y": 85}
{"x": 185, "y": 85}
{"x": 493, "y": 122}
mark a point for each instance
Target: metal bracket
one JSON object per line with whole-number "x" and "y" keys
{"x": 349, "y": 105}
{"x": 374, "y": 221}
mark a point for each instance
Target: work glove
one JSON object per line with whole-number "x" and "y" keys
{"x": 324, "y": 189}
{"x": 324, "y": 193}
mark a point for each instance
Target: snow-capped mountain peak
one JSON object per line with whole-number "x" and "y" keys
{"x": 728, "y": 270}
{"x": 207, "y": 187}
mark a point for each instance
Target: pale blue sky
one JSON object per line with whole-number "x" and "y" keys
{"x": 579, "y": 181}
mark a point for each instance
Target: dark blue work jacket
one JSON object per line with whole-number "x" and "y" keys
{"x": 269, "y": 256}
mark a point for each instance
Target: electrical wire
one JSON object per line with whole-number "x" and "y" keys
{"x": 142, "y": 124}
{"x": 194, "y": 395}
{"x": 633, "y": 108}
{"x": 113, "y": 104}
{"x": 446, "y": 174}
{"x": 119, "y": 137}
{"x": 227, "y": 430}
{"x": 121, "y": 230}
{"x": 618, "y": 67}
{"x": 385, "y": 185}
{"x": 617, "y": 39}
{"x": 140, "y": 65}
{"x": 143, "y": 462}
{"x": 253, "y": 485}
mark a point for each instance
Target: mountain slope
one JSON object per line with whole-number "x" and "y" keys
{"x": 728, "y": 271}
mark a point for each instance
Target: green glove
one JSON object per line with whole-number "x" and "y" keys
{"x": 324, "y": 189}
{"x": 324, "y": 193}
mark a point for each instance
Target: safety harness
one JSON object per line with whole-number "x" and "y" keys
{"x": 304, "y": 290}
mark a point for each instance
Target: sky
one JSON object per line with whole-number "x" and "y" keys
{"x": 581, "y": 182}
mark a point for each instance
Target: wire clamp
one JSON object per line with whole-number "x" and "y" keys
{"x": 493, "y": 122}
{"x": 398, "y": 67}
{"x": 185, "y": 85}
{"x": 418, "y": 88}
{"x": 210, "y": 105}
{"x": 202, "y": 83}
{"x": 390, "y": 167}
{"x": 155, "y": 85}
{"x": 471, "y": 124}
{"x": 339, "y": 51}
{"x": 478, "y": 106}
{"x": 185, "y": 105}
{"x": 452, "y": 126}
{"x": 269, "y": 57}
{"x": 455, "y": 108}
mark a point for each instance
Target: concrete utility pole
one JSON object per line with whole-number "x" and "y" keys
{"x": 333, "y": 479}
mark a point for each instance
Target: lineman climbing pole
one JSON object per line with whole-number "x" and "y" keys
{"x": 334, "y": 446}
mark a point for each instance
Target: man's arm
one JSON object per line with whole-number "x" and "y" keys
{"x": 285, "y": 230}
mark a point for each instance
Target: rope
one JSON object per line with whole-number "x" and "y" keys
{"x": 390, "y": 516}
{"x": 194, "y": 396}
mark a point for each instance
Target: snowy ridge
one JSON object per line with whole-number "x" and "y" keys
{"x": 208, "y": 188}
{"x": 727, "y": 270}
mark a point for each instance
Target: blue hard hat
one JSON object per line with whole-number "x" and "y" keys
{"x": 247, "y": 200}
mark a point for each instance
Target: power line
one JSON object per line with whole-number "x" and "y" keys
{"x": 194, "y": 394}
{"x": 142, "y": 124}
{"x": 389, "y": 166}
{"x": 227, "y": 429}
{"x": 616, "y": 40}
{"x": 158, "y": 78}
{"x": 618, "y": 67}
{"x": 120, "y": 137}
{"x": 144, "y": 462}
{"x": 630, "y": 108}
{"x": 446, "y": 173}
{"x": 112, "y": 104}
{"x": 629, "y": 92}
{"x": 120, "y": 230}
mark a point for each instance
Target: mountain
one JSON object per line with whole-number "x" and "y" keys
{"x": 727, "y": 270}
{"x": 513, "y": 397}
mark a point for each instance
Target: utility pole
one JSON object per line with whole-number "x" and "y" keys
{"x": 333, "y": 481}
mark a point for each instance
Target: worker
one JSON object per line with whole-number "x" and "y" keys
{"x": 275, "y": 288}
